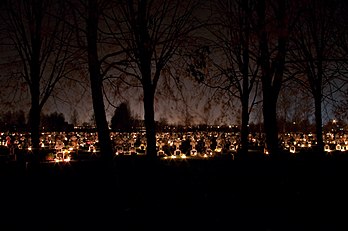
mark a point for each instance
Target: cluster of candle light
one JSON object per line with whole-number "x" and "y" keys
{"x": 169, "y": 144}
{"x": 295, "y": 142}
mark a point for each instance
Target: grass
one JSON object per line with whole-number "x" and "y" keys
{"x": 216, "y": 194}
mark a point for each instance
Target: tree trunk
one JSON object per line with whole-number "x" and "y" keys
{"x": 150, "y": 121}
{"x": 246, "y": 93}
{"x": 149, "y": 88}
{"x": 270, "y": 122}
{"x": 272, "y": 73}
{"x": 245, "y": 127}
{"x": 35, "y": 110}
{"x": 318, "y": 122}
{"x": 34, "y": 122}
{"x": 96, "y": 84}
{"x": 318, "y": 96}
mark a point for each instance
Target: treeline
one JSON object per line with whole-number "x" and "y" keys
{"x": 15, "y": 121}
{"x": 124, "y": 121}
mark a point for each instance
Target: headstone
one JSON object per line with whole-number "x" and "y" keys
{"x": 119, "y": 150}
{"x": 327, "y": 148}
{"x": 338, "y": 147}
{"x": 193, "y": 151}
{"x": 132, "y": 151}
{"x": 160, "y": 152}
{"x": 207, "y": 146}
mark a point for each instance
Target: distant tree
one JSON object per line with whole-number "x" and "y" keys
{"x": 286, "y": 98}
{"x": 13, "y": 121}
{"x": 137, "y": 122}
{"x": 91, "y": 120}
{"x": 122, "y": 119}
{"x": 294, "y": 106}
{"x": 21, "y": 124}
{"x": 54, "y": 122}
{"x": 162, "y": 123}
{"x": 207, "y": 113}
{"x": 75, "y": 118}
{"x": 341, "y": 108}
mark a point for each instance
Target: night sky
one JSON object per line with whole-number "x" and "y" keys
{"x": 67, "y": 99}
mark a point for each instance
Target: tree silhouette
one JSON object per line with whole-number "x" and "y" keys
{"x": 96, "y": 78}
{"x": 13, "y": 121}
{"x": 233, "y": 37}
{"x": 149, "y": 33}
{"x": 38, "y": 50}
{"x": 54, "y": 122}
{"x": 74, "y": 118}
{"x": 315, "y": 57}
{"x": 273, "y": 35}
{"x": 87, "y": 26}
{"x": 341, "y": 108}
{"x": 122, "y": 119}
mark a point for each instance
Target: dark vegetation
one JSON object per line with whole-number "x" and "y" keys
{"x": 215, "y": 194}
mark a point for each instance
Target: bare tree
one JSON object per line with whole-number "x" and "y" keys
{"x": 341, "y": 108}
{"x": 341, "y": 102}
{"x": 74, "y": 118}
{"x": 273, "y": 35}
{"x": 37, "y": 43}
{"x": 233, "y": 38}
{"x": 122, "y": 118}
{"x": 294, "y": 108}
{"x": 315, "y": 57}
{"x": 149, "y": 33}
{"x": 96, "y": 78}
{"x": 88, "y": 25}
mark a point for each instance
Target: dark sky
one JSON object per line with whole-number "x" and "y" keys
{"x": 164, "y": 107}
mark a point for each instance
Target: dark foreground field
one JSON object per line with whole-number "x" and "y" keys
{"x": 218, "y": 194}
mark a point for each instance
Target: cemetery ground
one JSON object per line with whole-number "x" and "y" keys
{"x": 193, "y": 194}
